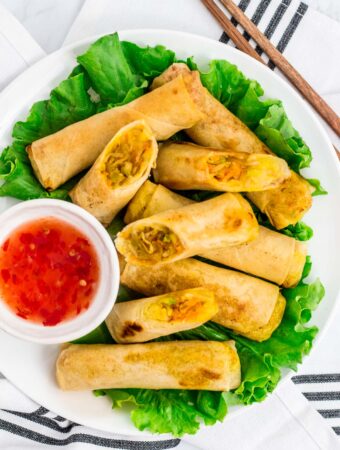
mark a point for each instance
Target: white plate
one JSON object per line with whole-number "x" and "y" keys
{"x": 30, "y": 366}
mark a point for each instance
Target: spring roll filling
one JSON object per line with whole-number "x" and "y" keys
{"x": 223, "y": 169}
{"x": 178, "y": 307}
{"x": 128, "y": 158}
{"x": 156, "y": 243}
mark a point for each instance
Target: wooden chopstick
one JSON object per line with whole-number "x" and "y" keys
{"x": 278, "y": 59}
{"x": 240, "y": 42}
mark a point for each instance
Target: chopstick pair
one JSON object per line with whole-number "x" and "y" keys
{"x": 278, "y": 59}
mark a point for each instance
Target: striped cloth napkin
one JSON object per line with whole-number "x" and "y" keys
{"x": 287, "y": 417}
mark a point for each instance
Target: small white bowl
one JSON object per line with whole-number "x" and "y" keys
{"x": 108, "y": 285}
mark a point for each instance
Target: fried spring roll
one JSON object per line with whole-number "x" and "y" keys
{"x": 219, "y": 128}
{"x": 272, "y": 256}
{"x": 149, "y": 318}
{"x": 118, "y": 172}
{"x": 188, "y": 231}
{"x": 202, "y": 365}
{"x": 286, "y": 204}
{"x": 247, "y": 305}
{"x": 58, "y": 157}
{"x": 186, "y": 166}
{"x": 152, "y": 199}
{"x": 222, "y": 130}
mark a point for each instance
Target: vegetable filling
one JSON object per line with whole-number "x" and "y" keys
{"x": 224, "y": 169}
{"x": 181, "y": 307}
{"x": 153, "y": 243}
{"x": 127, "y": 158}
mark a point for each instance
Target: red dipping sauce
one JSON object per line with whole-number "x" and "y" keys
{"x": 49, "y": 271}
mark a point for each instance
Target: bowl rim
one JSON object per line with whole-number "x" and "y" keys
{"x": 76, "y": 327}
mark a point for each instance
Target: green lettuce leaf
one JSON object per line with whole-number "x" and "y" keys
{"x": 147, "y": 61}
{"x": 109, "y": 71}
{"x": 318, "y": 189}
{"x": 169, "y": 411}
{"x": 68, "y": 103}
{"x": 119, "y": 71}
{"x": 99, "y": 335}
{"x": 299, "y": 231}
{"x": 226, "y": 83}
{"x": 277, "y": 131}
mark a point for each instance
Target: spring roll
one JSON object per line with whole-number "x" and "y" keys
{"x": 185, "y": 166}
{"x": 152, "y": 199}
{"x": 247, "y": 305}
{"x": 219, "y": 128}
{"x": 202, "y": 365}
{"x": 118, "y": 172}
{"x": 222, "y": 130}
{"x": 58, "y": 157}
{"x": 286, "y": 204}
{"x": 188, "y": 231}
{"x": 272, "y": 256}
{"x": 149, "y": 318}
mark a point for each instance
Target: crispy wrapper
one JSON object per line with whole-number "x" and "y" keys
{"x": 185, "y": 166}
{"x": 219, "y": 128}
{"x": 118, "y": 172}
{"x": 222, "y": 130}
{"x": 199, "y": 365}
{"x": 149, "y": 318}
{"x": 152, "y": 199}
{"x": 176, "y": 234}
{"x": 58, "y": 157}
{"x": 272, "y": 255}
{"x": 247, "y": 305}
{"x": 286, "y": 204}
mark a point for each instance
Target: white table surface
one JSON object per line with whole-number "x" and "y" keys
{"x": 49, "y": 21}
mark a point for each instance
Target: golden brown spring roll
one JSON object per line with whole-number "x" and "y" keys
{"x": 296, "y": 267}
{"x": 185, "y": 166}
{"x": 247, "y": 305}
{"x": 149, "y": 318}
{"x": 176, "y": 234}
{"x": 272, "y": 256}
{"x": 286, "y": 204}
{"x": 221, "y": 129}
{"x": 118, "y": 172}
{"x": 58, "y": 157}
{"x": 203, "y": 365}
{"x": 152, "y": 199}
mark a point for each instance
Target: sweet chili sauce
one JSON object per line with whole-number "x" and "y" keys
{"x": 49, "y": 271}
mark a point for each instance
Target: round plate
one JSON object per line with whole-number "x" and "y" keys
{"x": 30, "y": 366}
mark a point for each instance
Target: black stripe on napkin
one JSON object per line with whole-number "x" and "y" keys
{"x": 2, "y": 376}
{"x": 330, "y": 413}
{"x": 290, "y": 30}
{"x": 87, "y": 439}
{"x": 37, "y": 417}
{"x": 320, "y": 396}
{"x": 59, "y": 419}
{"x": 257, "y": 16}
{"x": 319, "y": 378}
{"x": 243, "y": 5}
{"x": 274, "y": 22}
{"x": 337, "y": 430}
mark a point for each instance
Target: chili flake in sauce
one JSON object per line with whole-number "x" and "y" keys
{"x": 49, "y": 271}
